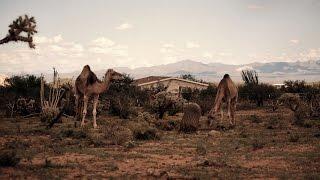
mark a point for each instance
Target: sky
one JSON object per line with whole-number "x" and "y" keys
{"x": 123, "y": 33}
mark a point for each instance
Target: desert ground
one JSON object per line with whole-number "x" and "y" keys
{"x": 263, "y": 144}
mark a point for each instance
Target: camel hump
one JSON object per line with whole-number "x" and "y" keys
{"x": 226, "y": 76}
{"x": 92, "y": 78}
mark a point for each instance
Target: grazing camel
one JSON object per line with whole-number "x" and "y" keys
{"x": 227, "y": 92}
{"x": 87, "y": 84}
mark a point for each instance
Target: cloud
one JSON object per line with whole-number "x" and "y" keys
{"x": 167, "y": 48}
{"x": 311, "y": 54}
{"x": 124, "y": 26}
{"x": 207, "y": 55}
{"x": 244, "y": 68}
{"x": 192, "y": 45}
{"x": 44, "y": 39}
{"x": 103, "y": 45}
{"x": 255, "y": 7}
{"x": 294, "y": 41}
{"x": 102, "y": 42}
{"x": 66, "y": 56}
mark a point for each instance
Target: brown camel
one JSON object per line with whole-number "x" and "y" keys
{"x": 227, "y": 92}
{"x": 88, "y": 85}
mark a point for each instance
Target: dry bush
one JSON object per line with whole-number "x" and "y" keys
{"x": 146, "y": 117}
{"x": 191, "y": 117}
{"x": 294, "y": 103}
{"x": 142, "y": 130}
{"x": 117, "y": 135}
{"x": 167, "y": 125}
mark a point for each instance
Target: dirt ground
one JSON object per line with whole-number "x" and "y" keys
{"x": 262, "y": 145}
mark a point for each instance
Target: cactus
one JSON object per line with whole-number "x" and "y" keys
{"x": 18, "y": 26}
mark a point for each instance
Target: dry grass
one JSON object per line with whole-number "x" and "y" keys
{"x": 265, "y": 146}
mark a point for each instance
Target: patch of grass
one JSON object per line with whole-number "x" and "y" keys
{"x": 255, "y": 119}
{"x": 201, "y": 148}
{"x": 274, "y": 122}
{"x": 9, "y": 158}
{"x": 257, "y": 144}
{"x": 294, "y": 137}
{"x": 17, "y": 144}
{"x": 73, "y": 133}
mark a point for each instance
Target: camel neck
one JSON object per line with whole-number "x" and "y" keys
{"x": 106, "y": 82}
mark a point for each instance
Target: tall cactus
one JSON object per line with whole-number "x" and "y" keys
{"x": 18, "y": 26}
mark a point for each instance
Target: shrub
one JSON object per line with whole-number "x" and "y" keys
{"x": 8, "y": 158}
{"x": 145, "y": 133}
{"x": 118, "y": 135}
{"x": 166, "y": 125}
{"x": 122, "y": 106}
{"x": 164, "y": 102}
{"x": 295, "y": 104}
{"x": 122, "y": 95}
{"x": 255, "y": 91}
{"x": 205, "y": 99}
{"x": 72, "y": 133}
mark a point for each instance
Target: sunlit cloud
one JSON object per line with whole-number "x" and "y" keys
{"x": 191, "y": 45}
{"x": 207, "y": 55}
{"x": 124, "y": 26}
{"x": 294, "y": 41}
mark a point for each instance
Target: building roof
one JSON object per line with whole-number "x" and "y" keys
{"x": 148, "y": 79}
{"x": 171, "y": 78}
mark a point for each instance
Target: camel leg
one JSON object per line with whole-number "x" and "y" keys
{"x": 84, "y": 113}
{"x": 229, "y": 110}
{"x": 94, "y": 111}
{"x": 233, "y": 109}
{"x": 221, "y": 111}
{"x": 76, "y": 107}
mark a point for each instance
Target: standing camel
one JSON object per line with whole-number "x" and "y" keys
{"x": 227, "y": 92}
{"x": 88, "y": 85}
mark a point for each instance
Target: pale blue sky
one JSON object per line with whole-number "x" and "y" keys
{"x": 145, "y": 32}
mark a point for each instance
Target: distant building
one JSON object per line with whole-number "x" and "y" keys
{"x": 174, "y": 85}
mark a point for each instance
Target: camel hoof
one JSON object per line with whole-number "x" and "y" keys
{"x": 95, "y": 126}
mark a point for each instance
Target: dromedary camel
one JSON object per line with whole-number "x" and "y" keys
{"x": 227, "y": 92}
{"x": 88, "y": 85}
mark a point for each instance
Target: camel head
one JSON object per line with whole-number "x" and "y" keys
{"x": 113, "y": 75}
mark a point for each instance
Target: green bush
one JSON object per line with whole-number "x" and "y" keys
{"x": 145, "y": 133}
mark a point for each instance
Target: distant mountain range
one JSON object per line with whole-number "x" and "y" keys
{"x": 273, "y": 72}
